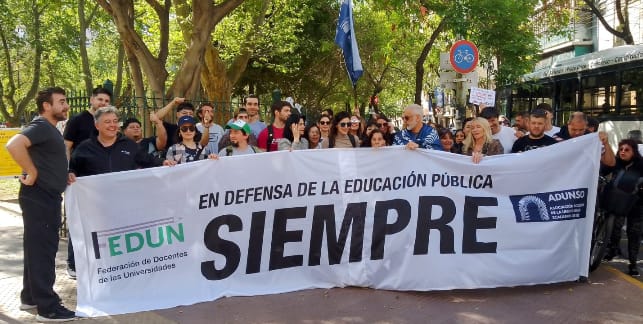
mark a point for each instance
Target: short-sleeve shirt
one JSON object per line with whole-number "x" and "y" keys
{"x": 237, "y": 151}
{"x": 48, "y": 153}
{"x": 215, "y": 133}
{"x": 80, "y": 128}
{"x": 526, "y": 143}
{"x": 262, "y": 140}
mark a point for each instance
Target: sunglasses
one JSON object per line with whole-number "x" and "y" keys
{"x": 322, "y": 122}
{"x": 187, "y": 128}
{"x": 381, "y": 125}
{"x": 355, "y": 121}
{"x": 344, "y": 124}
{"x": 624, "y": 149}
{"x": 407, "y": 117}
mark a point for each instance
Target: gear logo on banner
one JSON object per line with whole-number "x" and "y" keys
{"x": 550, "y": 206}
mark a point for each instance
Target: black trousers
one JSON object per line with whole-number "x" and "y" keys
{"x": 632, "y": 222}
{"x": 41, "y": 217}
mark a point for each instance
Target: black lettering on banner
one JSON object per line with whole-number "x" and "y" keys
{"x": 216, "y": 244}
{"x": 381, "y": 227}
{"x": 255, "y": 243}
{"x": 472, "y": 223}
{"x": 426, "y": 223}
{"x": 324, "y": 217}
{"x": 280, "y": 236}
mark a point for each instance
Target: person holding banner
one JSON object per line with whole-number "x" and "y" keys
{"x": 417, "y": 134}
{"x": 506, "y": 135}
{"x": 625, "y": 200}
{"x": 479, "y": 142}
{"x": 41, "y": 153}
{"x": 536, "y": 137}
{"x": 240, "y": 132}
{"x": 187, "y": 150}
{"x": 339, "y": 134}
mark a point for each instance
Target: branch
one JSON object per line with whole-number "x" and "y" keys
{"x": 601, "y": 18}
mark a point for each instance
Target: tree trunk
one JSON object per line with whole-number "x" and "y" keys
{"x": 419, "y": 65}
{"x": 119, "y": 70}
{"x": 84, "y": 24}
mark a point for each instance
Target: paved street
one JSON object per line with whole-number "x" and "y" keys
{"x": 608, "y": 297}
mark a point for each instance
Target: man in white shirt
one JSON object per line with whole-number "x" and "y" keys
{"x": 506, "y": 135}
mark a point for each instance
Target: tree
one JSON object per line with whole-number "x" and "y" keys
{"x": 621, "y": 8}
{"x": 142, "y": 61}
{"x": 21, "y": 31}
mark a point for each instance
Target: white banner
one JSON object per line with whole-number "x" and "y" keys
{"x": 285, "y": 221}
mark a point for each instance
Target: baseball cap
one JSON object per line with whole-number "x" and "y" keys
{"x": 186, "y": 120}
{"x": 239, "y": 125}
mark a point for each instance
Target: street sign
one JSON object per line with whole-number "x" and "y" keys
{"x": 445, "y": 62}
{"x": 464, "y": 56}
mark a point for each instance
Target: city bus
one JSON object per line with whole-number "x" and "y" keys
{"x": 607, "y": 85}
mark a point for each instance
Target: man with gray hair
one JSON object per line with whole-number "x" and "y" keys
{"x": 416, "y": 134}
{"x": 107, "y": 152}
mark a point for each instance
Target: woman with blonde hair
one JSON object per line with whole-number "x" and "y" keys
{"x": 479, "y": 142}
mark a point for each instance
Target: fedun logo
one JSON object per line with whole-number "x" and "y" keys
{"x": 132, "y": 238}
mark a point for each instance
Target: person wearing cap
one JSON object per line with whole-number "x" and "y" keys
{"x": 239, "y": 133}
{"x": 183, "y": 108}
{"x": 242, "y": 114}
{"x": 187, "y": 149}
{"x": 417, "y": 134}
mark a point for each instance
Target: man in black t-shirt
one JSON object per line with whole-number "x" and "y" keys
{"x": 154, "y": 145}
{"x": 40, "y": 151}
{"x": 536, "y": 137}
{"x": 81, "y": 126}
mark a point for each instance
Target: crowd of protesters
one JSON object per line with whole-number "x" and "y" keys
{"x": 94, "y": 143}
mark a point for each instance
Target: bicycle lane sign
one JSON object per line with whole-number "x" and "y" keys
{"x": 464, "y": 56}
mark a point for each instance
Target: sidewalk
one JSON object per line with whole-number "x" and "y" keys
{"x": 609, "y": 296}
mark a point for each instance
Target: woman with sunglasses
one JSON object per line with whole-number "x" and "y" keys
{"x": 187, "y": 150}
{"x": 357, "y": 127}
{"x": 479, "y": 142}
{"x": 324, "y": 126}
{"x": 627, "y": 178}
{"x": 384, "y": 125}
{"x": 339, "y": 134}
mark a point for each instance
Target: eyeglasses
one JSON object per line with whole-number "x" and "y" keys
{"x": 381, "y": 125}
{"x": 407, "y": 117}
{"x": 344, "y": 124}
{"x": 624, "y": 149}
{"x": 323, "y": 122}
{"x": 187, "y": 128}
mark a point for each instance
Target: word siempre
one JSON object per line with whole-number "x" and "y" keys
{"x": 325, "y": 223}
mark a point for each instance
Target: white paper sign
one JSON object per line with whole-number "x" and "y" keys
{"x": 482, "y": 96}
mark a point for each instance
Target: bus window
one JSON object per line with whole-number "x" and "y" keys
{"x": 631, "y": 100}
{"x": 599, "y": 94}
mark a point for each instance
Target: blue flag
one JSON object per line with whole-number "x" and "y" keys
{"x": 345, "y": 39}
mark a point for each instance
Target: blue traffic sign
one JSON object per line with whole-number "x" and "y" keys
{"x": 464, "y": 56}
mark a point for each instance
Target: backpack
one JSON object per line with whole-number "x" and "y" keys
{"x": 269, "y": 139}
{"x": 228, "y": 149}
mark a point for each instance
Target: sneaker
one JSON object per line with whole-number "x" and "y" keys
{"x": 26, "y": 306}
{"x": 71, "y": 272}
{"x": 634, "y": 272}
{"x": 58, "y": 314}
